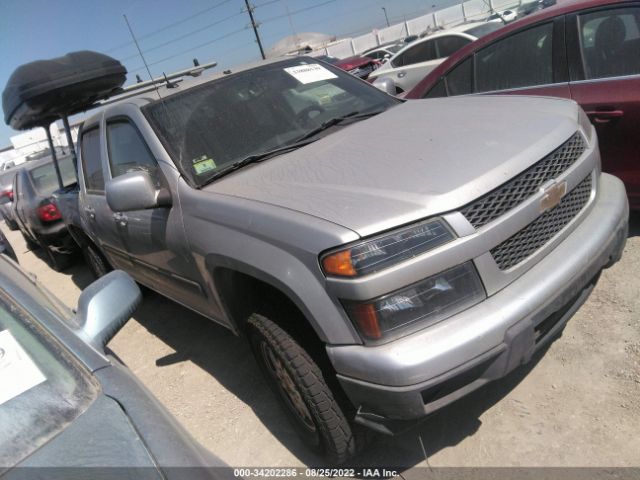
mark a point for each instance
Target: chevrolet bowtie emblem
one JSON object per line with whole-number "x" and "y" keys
{"x": 552, "y": 196}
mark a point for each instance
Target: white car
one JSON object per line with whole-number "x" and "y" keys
{"x": 411, "y": 64}
{"x": 505, "y": 16}
{"x": 383, "y": 53}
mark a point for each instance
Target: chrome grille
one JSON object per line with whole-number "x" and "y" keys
{"x": 515, "y": 191}
{"x": 528, "y": 240}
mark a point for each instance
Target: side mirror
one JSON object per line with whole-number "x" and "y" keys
{"x": 386, "y": 84}
{"x": 105, "y": 306}
{"x": 135, "y": 191}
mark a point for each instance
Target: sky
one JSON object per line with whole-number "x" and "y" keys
{"x": 171, "y": 33}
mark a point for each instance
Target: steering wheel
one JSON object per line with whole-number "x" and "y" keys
{"x": 303, "y": 115}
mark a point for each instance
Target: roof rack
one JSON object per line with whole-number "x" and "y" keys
{"x": 151, "y": 85}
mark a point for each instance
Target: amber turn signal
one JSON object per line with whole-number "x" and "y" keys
{"x": 339, "y": 263}
{"x": 367, "y": 319}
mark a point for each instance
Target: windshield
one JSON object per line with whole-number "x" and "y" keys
{"x": 214, "y": 125}
{"x": 44, "y": 177}
{"x": 43, "y": 388}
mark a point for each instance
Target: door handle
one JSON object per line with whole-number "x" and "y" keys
{"x": 121, "y": 219}
{"x": 605, "y": 116}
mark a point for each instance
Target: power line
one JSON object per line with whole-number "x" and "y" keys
{"x": 182, "y": 37}
{"x": 170, "y": 25}
{"x": 277, "y": 17}
{"x": 264, "y": 4}
{"x": 222, "y": 37}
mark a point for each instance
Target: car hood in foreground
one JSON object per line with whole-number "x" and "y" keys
{"x": 418, "y": 159}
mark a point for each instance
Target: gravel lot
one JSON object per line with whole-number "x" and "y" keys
{"x": 578, "y": 404}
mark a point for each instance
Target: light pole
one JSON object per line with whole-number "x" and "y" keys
{"x": 385, "y": 16}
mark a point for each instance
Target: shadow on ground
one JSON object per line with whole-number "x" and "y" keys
{"x": 229, "y": 360}
{"x": 634, "y": 224}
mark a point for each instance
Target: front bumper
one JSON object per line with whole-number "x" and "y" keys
{"x": 418, "y": 374}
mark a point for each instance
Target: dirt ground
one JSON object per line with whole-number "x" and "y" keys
{"x": 577, "y": 404}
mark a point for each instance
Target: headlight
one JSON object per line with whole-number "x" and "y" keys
{"x": 379, "y": 253}
{"x": 419, "y": 305}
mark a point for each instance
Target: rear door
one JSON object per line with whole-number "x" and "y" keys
{"x": 412, "y": 66}
{"x": 604, "y": 54}
{"x": 95, "y": 212}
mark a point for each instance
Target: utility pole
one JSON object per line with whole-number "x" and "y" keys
{"x": 254, "y": 25}
{"x": 385, "y": 16}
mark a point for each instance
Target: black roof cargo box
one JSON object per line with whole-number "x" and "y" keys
{"x": 41, "y": 92}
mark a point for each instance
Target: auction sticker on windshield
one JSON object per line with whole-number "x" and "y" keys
{"x": 310, "y": 73}
{"x": 18, "y": 373}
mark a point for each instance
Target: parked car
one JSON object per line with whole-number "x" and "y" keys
{"x": 527, "y": 8}
{"x": 378, "y": 277}
{"x": 358, "y": 65}
{"x": 46, "y": 153}
{"x": 6, "y": 192}
{"x": 6, "y": 248}
{"x": 410, "y": 65}
{"x": 504, "y": 16}
{"x": 383, "y": 53}
{"x": 37, "y": 217}
{"x": 585, "y": 51}
{"x": 67, "y": 403}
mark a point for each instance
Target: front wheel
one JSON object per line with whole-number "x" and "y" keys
{"x": 301, "y": 388}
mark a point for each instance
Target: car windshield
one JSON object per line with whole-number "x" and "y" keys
{"x": 44, "y": 177}
{"x": 484, "y": 29}
{"x": 214, "y": 125}
{"x": 43, "y": 387}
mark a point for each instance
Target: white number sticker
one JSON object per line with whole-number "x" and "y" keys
{"x": 18, "y": 373}
{"x": 310, "y": 73}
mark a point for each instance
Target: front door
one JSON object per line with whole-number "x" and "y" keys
{"x": 153, "y": 239}
{"x": 605, "y": 80}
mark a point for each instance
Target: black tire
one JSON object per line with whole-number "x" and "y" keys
{"x": 96, "y": 262}
{"x": 31, "y": 243}
{"x": 301, "y": 388}
{"x": 11, "y": 224}
{"x": 57, "y": 261}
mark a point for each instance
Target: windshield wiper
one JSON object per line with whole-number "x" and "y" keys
{"x": 298, "y": 143}
{"x": 258, "y": 157}
{"x": 354, "y": 116}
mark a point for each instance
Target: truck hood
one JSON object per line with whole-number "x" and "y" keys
{"x": 418, "y": 159}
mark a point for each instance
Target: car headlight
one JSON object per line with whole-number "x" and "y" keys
{"x": 419, "y": 305}
{"x": 381, "y": 252}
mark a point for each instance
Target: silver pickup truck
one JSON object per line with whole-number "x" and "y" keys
{"x": 383, "y": 257}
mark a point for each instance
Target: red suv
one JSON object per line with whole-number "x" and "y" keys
{"x": 588, "y": 51}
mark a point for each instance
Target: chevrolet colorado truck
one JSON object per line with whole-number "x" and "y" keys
{"x": 384, "y": 258}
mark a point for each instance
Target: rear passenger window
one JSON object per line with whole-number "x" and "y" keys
{"x": 522, "y": 60}
{"x": 422, "y": 52}
{"x": 128, "y": 151}
{"x": 91, "y": 164}
{"x": 450, "y": 44}
{"x": 610, "y": 42}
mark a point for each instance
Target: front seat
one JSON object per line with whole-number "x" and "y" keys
{"x": 609, "y": 48}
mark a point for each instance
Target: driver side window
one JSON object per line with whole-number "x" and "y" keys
{"x": 128, "y": 151}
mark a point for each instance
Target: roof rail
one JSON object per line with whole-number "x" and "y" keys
{"x": 150, "y": 85}
{"x": 194, "y": 71}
